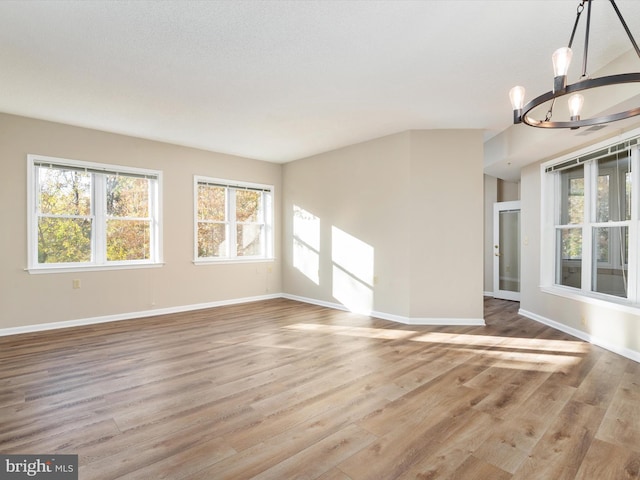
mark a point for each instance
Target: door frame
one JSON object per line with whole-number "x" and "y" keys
{"x": 497, "y": 208}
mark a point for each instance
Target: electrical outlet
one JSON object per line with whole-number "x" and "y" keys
{"x": 76, "y": 283}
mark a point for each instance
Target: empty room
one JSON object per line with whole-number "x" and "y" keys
{"x": 320, "y": 239}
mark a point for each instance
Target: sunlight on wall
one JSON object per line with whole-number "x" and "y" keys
{"x": 352, "y": 271}
{"x": 306, "y": 244}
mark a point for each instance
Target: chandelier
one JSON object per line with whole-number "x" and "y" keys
{"x": 561, "y": 60}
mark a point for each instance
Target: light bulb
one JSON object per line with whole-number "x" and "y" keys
{"x": 516, "y": 95}
{"x": 561, "y": 60}
{"x": 575, "y": 105}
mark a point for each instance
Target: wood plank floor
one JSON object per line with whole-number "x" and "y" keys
{"x": 283, "y": 390}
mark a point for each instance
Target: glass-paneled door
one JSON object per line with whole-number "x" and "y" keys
{"x": 506, "y": 250}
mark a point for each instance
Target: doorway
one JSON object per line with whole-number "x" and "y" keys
{"x": 506, "y": 250}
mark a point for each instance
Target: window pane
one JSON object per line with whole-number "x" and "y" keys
{"x": 64, "y": 192}
{"x": 211, "y": 203}
{"x": 610, "y": 258}
{"x": 602, "y": 199}
{"x": 128, "y": 240}
{"x": 249, "y": 239}
{"x": 127, "y": 196}
{"x": 569, "y": 255}
{"x": 248, "y": 206}
{"x": 212, "y": 240}
{"x": 613, "y": 200}
{"x": 63, "y": 240}
{"x": 601, "y": 245}
{"x": 572, "y": 198}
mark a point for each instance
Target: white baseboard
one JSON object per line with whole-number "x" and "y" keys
{"x": 129, "y": 316}
{"x": 199, "y": 306}
{"x": 587, "y": 337}
{"x": 393, "y": 317}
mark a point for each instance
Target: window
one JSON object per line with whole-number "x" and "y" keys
{"x": 592, "y": 221}
{"x": 233, "y": 221}
{"x": 89, "y": 215}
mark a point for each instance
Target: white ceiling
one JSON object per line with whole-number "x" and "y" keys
{"x": 282, "y": 80}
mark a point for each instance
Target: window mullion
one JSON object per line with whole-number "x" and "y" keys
{"x": 268, "y": 223}
{"x": 263, "y": 222}
{"x": 35, "y": 210}
{"x": 99, "y": 218}
{"x": 590, "y": 189}
{"x": 552, "y": 212}
{"x": 153, "y": 225}
{"x": 196, "y": 217}
{"x": 232, "y": 246}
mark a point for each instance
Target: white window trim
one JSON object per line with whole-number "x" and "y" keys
{"x": 32, "y": 247}
{"x": 550, "y": 191}
{"x": 269, "y": 215}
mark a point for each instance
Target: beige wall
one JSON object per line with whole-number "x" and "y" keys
{"x": 362, "y": 190}
{"x": 508, "y": 191}
{"x": 490, "y": 197}
{"x": 392, "y": 196}
{"x": 379, "y": 208}
{"x": 446, "y": 224}
{"x": 28, "y": 299}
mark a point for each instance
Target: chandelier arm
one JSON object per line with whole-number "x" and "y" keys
{"x": 576, "y": 87}
{"x": 626, "y": 28}
{"x": 588, "y": 122}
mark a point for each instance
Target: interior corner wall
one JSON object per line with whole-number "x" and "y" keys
{"x": 353, "y": 248}
{"x": 408, "y": 206}
{"x": 447, "y": 224}
{"x": 32, "y": 299}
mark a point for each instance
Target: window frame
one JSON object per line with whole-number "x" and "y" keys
{"x": 551, "y": 196}
{"x": 231, "y": 222}
{"x": 98, "y": 215}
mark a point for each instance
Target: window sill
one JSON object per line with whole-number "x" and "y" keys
{"x": 605, "y": 301}
{"x": 90, "y": 268}
{"x": 221, "y": 261}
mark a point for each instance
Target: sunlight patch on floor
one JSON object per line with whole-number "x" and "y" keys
{"x": 534, "y": 344}
{"x": 367, "y": 332}
{"x": 539, "y": 362}
{"x": 536, "y": 354}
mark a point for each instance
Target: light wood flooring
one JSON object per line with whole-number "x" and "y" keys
{"x": 282, "y": 390}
